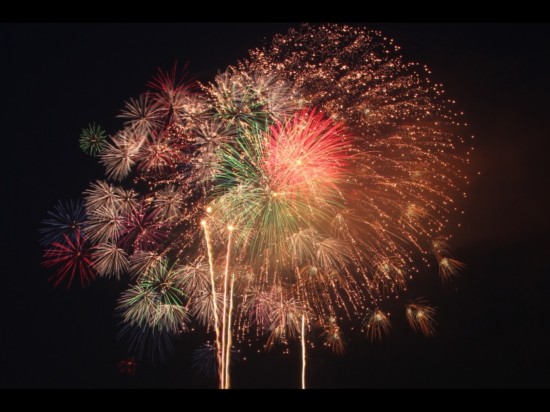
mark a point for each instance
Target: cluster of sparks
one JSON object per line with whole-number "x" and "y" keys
{"x": 301, "y": 187}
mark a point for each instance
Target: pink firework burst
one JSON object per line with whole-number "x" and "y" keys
{"x": 306, "y": 153}
{"x": 72, "y": 257}
{"x": 170, "y": 94}
{"x": 142, "y": 230}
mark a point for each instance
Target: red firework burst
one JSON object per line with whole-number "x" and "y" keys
{"x": 306, "y": 151}
{"x": 72, "y": 256}
{"x": 142, "y": 230}
{"x": 127, "y": 366}
{"x": 170, "y": 93}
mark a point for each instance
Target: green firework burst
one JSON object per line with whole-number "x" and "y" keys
{"x": 92, "y": 139}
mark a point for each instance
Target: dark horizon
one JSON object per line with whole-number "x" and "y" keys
{"x": 492, "y": 332}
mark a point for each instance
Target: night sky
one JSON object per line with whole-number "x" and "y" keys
{"x": 494, "y": 323}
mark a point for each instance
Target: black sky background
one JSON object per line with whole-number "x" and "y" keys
{"x": 494, "y": 325}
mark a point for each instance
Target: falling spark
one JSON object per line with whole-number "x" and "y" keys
{"x": 377, "y": 325}
{"x": 421, "y": 317}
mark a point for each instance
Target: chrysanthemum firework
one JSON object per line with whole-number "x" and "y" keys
{"x": 92, "y": 139}
{"x": 72, "y": 258}
{"x": 297, "y": 190}
{"x": 65, "y": 219}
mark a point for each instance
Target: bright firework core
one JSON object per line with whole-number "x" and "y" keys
{"x": 301, "y": 187}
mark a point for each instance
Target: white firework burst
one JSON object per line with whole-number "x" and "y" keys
{"x": 170, "y": 318}
{"x": 142, "y": 261}
{"x": 119, "y": 156}
{"x": 110, "y": 260}
{"x": 104, "y": 224}
{"x": 276, "y": 95}
{"x": 100, "y": 194}
{"x": 193, "y": 109}
{"x": 126, "y": 200}
{"x": 168, "y": 203}
{"x": 142, "y": 115}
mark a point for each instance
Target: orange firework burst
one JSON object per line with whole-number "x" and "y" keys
{"x": 421, "y": 317}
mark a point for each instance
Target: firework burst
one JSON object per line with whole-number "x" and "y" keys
{"x": 142, "y": 115}
{"x": 65, "y": 219}
{"x": 157, "y": 300}
{"x": 421, "y": 317}
{"x": 297, "y": 190}
{"x": 333, "y": 337}
{"x": 110, "y": 260}
{"x": 92, "y": 139}
{"x": 72, "y": 257}
{"x": 377, "y": 325}
{"x": 119, "y": 155}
